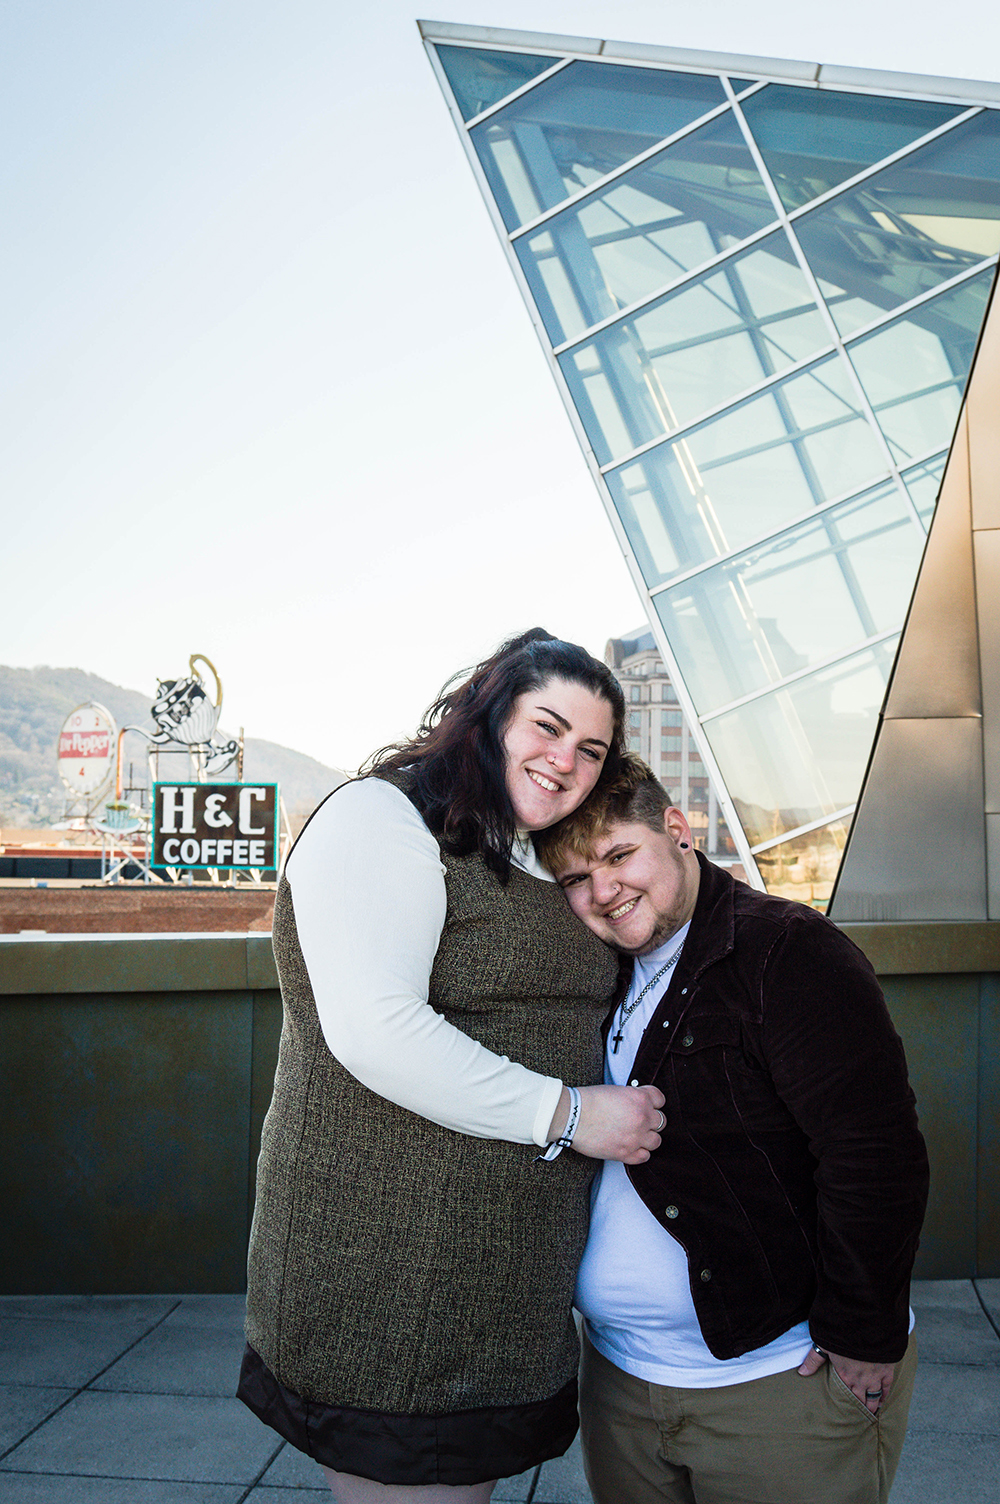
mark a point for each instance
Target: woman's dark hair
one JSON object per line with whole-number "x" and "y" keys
{"x": 456, "y": 766}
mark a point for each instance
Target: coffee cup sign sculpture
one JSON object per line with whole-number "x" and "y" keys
{"x": 186, "y": 715}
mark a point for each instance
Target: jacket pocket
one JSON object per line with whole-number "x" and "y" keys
{"x": 706, "y": 1032}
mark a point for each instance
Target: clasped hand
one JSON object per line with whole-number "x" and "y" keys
{"x": 616, "y": 1122}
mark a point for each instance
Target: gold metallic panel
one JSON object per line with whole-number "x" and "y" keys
{"x": 918, "y": 847}
{"x": 937, "y": 671}
{"x": 983, "y": 409}
{"x": 897, "y": 950}
{"x": 987, "y": 555}
{"x": 993, "y": 866}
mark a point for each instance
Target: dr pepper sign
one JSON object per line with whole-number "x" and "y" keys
{"x": 215, "y": 825}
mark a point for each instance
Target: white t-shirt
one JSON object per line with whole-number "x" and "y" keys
{"x": 368, "y": 892}
{"x": 633, "y": 1284}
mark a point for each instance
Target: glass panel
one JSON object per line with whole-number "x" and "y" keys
{"x": 748, "y": 472}
{"x": 812, "y": 139}
{"x": 743, "y": 83}
{"x": 800, "y": 752}
{"x": 812, "y": 592}
{"x": 580, "y": 125}
{"x": 479, "y": 79}
{"x": 665, "y": 217}
{"x": 805, "y": 868}
{"x": 905, "y": 230}
{"x": 914, "y": 371}
{"x": 694, "y": 349}
{"x": 924, "y": 482}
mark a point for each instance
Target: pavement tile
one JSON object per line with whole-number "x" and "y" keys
{"x": 956, "y": 1399}
{"x": 195, "y": 1351}
{"x": 265, "y": 1494}
{"x": 562, "y": 1480}
{"x": 292, "y": 1469}
{"x": 989, "y": 1294}
{"x": 25, "y": 1488}
{"x": 951, "y": 1326}
{"x": 22, "y": 1407}
{"x": 137, "y": 1309}
{"x": 189, "y": 1438}
{"x": 514, "y": 1490}
{"x": 61, "y": 1349}
{"x": 225, "y": 1313}
{"x": 938, "y": 1469}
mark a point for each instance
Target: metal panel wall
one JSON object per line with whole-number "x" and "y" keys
{"x": 925, "y": 842}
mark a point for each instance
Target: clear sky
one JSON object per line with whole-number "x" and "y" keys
{"x": 269, "y": 390}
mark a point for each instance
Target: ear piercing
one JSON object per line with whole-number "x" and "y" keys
{"x": 685, "y": 845}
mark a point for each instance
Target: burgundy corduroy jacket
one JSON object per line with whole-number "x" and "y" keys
{"x": 791, "y": 1170}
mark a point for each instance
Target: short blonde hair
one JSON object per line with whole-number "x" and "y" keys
{"x": 634, "y": 796}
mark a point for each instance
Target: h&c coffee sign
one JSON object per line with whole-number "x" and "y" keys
{"x": 215, "y": 825}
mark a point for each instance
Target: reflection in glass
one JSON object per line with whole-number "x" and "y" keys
{"x": 924, "y": 482}
{"x": 668, "y": 215}
{"x": 805, "y": 868}
{"x": 694, "y": 349}
{"x": 813, "y": 139}
{"x": 804, "y": 596}
{"x": 910, "y": 227}
{"x": 914, "y": 371}
{"x": 800, "y": 753}
{"x": 480, "y": 79}
{"x": 579, "y": 125}
{"x": 748, "y": 472}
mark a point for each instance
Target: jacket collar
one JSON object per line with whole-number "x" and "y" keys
{"x": 713, "y": 924}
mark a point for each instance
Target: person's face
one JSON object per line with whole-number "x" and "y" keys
{"x": 638, "y": 886}
{"x": 556, "y": 741}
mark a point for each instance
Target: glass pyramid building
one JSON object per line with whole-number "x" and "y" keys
{"x": 759, "y": 286}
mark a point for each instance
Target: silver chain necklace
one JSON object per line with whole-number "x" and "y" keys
{"x": 624, "y": 1014}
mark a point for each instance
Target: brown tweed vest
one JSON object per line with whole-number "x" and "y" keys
{"x": 396, "y": 1265}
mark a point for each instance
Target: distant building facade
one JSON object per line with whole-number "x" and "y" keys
{"x": 659, "y": 733}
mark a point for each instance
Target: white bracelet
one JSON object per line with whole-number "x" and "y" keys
{"x": 566, "y": 1137}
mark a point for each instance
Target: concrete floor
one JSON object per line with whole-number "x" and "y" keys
{"x": 128, "y": 1400}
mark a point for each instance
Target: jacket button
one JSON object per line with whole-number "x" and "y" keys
{"x": 687, "y": 1041}
{"x": 633, "y": 1083}
{"x": 706, "y": 1275}
{"x": 670, "y": 1211}
{"x": 666, "y": 1023}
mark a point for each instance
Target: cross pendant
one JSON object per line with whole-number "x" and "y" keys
{"x": 616, "y": 1040}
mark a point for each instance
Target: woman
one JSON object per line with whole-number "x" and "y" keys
{"x": 412, "y": 1262}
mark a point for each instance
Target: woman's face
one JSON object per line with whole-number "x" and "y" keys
{"x": 556, "y": 743}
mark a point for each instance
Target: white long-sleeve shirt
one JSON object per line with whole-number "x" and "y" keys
{"x": 368, "y": 891}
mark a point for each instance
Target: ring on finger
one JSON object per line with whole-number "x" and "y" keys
{"x": 663, "y": 1121}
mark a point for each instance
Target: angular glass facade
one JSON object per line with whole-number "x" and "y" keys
{"x": 760, "y": 296}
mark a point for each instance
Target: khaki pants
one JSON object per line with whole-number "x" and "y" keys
{"x": 777, "y": 1440}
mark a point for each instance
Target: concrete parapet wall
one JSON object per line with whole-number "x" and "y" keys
{"x": 135, "y": 1071}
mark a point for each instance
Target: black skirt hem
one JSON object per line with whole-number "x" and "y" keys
{"x": 462, "y": 1446}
